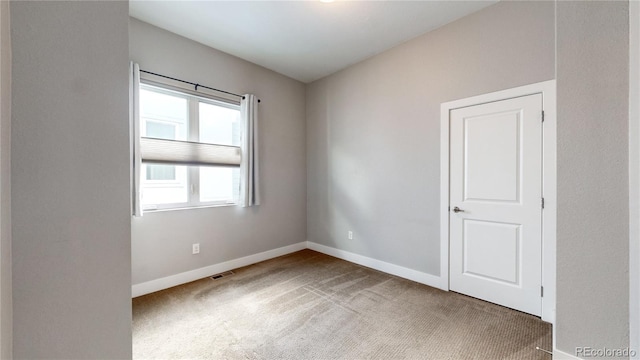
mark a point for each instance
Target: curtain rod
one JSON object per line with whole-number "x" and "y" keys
{"x": 191, "y": 83}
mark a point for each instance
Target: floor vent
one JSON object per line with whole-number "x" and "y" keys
{"x": 221, "y": 275}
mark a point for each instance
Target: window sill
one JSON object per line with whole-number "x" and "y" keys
{"x": 148, "y": 211}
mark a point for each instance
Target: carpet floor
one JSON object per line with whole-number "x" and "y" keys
{"x": 308, "y": 305}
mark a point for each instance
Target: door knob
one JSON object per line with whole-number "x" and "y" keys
{"x": 457, "y": 210}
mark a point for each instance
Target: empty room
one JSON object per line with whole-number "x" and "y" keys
{"x": 319, "y": 179}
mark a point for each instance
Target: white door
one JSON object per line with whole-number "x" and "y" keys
{"x": 496, "y": 202}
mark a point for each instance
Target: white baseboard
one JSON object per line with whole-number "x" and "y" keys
{"x": 188, "y": 276}
{"x": 561, "y": 355}
{"x": 403, "y": 272}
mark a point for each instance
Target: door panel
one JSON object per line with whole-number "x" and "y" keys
{"x": 496, "y": 180}
{"x": 492, "y": 250}
{"x": 491, "y": 146}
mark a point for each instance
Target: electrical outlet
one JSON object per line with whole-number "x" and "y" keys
{"x": 350, "y": 235}
{"x": 195, "y": 249}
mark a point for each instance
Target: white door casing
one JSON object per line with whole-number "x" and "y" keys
{"x": 549, "y": 184}
{"x": 496, "y": 181}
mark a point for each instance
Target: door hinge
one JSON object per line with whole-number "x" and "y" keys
{"x": 543, "y": 203}
{"x": 542, "y": 116}
{"x": 541, "y": 291}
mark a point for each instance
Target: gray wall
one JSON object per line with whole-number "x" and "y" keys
{"x": 161, "y": 241}
{"x": 70, "y": 180}
{"x": 373, "y": 130}
{"x": 6, "y": 324}
{"x": 634, "y": 175}
{"x": 593, "y": 203}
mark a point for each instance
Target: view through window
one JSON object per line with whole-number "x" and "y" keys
{"x": 172, "y": 115}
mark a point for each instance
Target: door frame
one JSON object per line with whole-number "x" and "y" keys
{"x": 548, "y": 276}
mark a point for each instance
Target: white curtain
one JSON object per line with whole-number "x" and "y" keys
{"x": 134, "y": 120}
{"x": 249, "y": 167}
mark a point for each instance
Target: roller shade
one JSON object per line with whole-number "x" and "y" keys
{"x": 175, "y": 152}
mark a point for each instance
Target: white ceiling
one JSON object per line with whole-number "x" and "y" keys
{"x": 305, "y": 40}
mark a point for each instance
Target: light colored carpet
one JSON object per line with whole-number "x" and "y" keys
{"x": 309, "y": 305}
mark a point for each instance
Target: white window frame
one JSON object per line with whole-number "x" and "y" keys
{"x": 193, "y": 131}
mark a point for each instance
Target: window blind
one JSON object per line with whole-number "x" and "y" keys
{"x": 176, "y": 152}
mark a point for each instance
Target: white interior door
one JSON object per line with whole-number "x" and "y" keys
{"x": 496, "y": 202}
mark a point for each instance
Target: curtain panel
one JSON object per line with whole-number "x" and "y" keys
{"x": 134, "y": 121}
{"x": 250, "y": 165}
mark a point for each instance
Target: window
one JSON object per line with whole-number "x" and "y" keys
{"x": 172, "y": 115}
